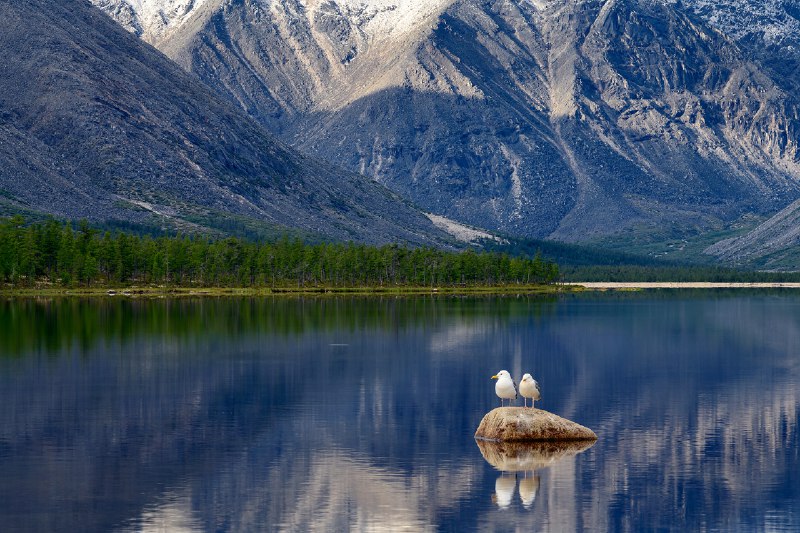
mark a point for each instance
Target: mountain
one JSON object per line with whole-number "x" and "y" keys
{"x": 95, "y": 123}
{"x": 769, "y": 28}
{"x": 150, "y": 19}
{"x": 774, "y": 244}
{"x": 578, "y": 120}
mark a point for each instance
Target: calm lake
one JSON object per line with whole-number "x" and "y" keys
{"x": 359, "y": 414}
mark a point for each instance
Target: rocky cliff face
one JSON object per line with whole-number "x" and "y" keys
{"x": 570, "y": 120}
{"x": 94, "y": 123}
{"x": 768, "y": 26}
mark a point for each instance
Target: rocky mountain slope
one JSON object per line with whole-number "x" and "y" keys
{"x": 94, "y": 123}
{"x": 572, "y": 120}
{"x": 768, "y": 25}
{"x": 774, "y": 244}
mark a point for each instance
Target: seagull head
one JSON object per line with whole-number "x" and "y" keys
{"x": 527, "y": 377}
{"x": 501, "y": 374}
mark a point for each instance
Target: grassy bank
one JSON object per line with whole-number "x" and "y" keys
{"x": 177, "y": 292}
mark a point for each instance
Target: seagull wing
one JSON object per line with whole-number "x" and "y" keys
{"x": 515, "y": 388}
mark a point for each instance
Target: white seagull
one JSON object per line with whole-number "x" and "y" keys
{"x": 505, "y": 387}
{"x": 529, "y": 388}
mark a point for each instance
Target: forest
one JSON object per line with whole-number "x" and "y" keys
{"x": 60, "y": 253}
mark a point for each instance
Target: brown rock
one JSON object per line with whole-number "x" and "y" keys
{"x": 529, "y": 424}
{"x": 527, "y": 456}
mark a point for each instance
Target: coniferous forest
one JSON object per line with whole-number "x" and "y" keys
{"x": 63, "y": 254}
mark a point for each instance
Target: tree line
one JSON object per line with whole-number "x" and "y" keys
{"x": 68, "y": 255}
{"x": 695, "y": 273}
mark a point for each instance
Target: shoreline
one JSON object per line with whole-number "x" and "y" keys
{"x": 570, "y": 287}
{"x": 181, "y": 292}
{"x": 644, "y": 285}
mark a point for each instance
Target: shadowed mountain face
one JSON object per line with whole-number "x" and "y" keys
{"x": 571, "y": 120}
{"x": 94, "y": 123}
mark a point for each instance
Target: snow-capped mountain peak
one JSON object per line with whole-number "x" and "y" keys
{"x": 377, "y": 20}
{"x": 150, "y": 19}
{"x": 773, "y": 22}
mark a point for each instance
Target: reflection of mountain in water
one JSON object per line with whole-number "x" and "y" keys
{"x": 695, "y": 402}
{"x": 730, "y": 449}
{"x": 699, "y": 399}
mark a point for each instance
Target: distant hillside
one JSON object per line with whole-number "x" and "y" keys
{"x": 590, "y": 263}
{"x": 95, "y": 123}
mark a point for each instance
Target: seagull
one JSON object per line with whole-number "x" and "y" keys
{"x": 529, "y": 388}
{"x": 505, "y": 387}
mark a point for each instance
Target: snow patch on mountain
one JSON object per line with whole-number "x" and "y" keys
{"x": 383, "y": 19}
{"x": 376, "y": 20}
{"x": 776, "y": 22}
{"x": 150, "y": 19}
{"x": 773, "y": 22}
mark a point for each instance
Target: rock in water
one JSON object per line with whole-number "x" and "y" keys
{"x": 528, "y": 424}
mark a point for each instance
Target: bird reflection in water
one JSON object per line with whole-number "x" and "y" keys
{"x": 528, "y": 487}
{"x": 504, "y": 489}
{"x": 511, "y": 458}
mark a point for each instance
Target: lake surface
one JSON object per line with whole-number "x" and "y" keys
{"x": 359, "y": 414}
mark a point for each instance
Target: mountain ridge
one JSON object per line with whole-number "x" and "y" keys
{"x": 89, "y": 108}
{"x": 568, "y": 120}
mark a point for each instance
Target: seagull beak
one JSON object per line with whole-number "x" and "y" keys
{"x": 494, "y": 377}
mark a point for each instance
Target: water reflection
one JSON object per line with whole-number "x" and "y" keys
{"x": 506, "y": 485}
{"x": 519, "y": 461}
{"x": 529, "y": 456}
{"x": 243, "y": 415}
{"x": 504, "y": 489}
{"x": 53, "y": 324}
{"x": 528, "y": 487}
{"x": 173, "y": 514}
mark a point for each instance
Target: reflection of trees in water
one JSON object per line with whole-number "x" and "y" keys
{"x": 53, "y": 324}
{"x": 244, "y": 422}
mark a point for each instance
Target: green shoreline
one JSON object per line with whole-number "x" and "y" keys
{"x": 163, "y": 291}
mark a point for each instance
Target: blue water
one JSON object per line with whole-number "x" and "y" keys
{"x": 359, "y": 414}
